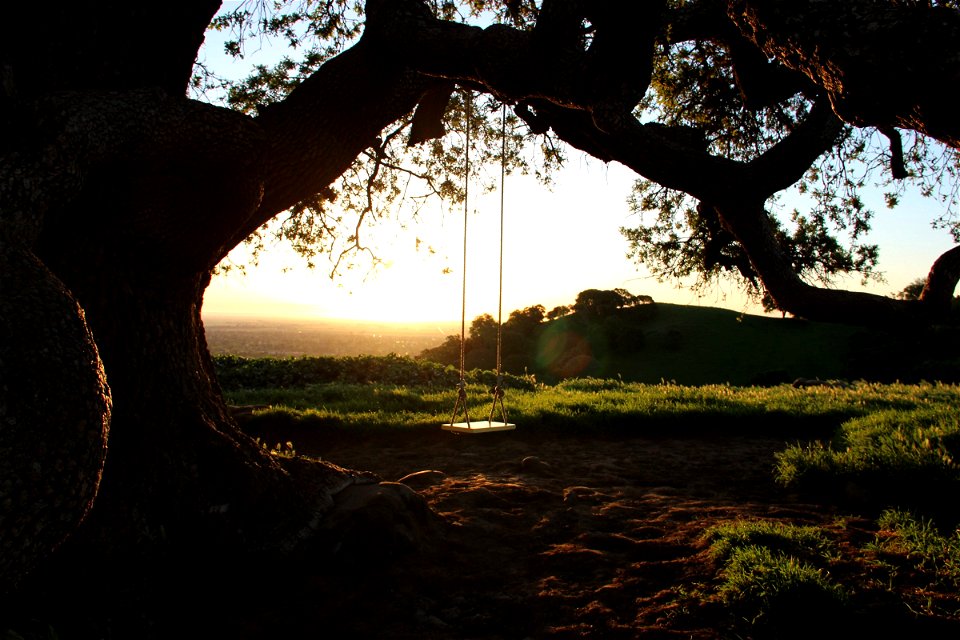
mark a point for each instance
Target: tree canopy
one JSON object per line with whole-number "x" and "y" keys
{"x": 716, "y": 120}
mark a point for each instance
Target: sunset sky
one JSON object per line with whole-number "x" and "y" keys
{"x": 558, "y": 242}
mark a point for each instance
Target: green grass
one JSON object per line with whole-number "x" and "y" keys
{"x": 880, "y": 444}
{"x": 775, "y": 577}
{"x": 927, "y": 549}
{"x": 803, "y": 542}
{"x": 899, "y": 441}
{"x": 902, "y": 456}
{"x": 370, "y": 393}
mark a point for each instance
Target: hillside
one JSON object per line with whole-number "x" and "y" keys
{"x": 646, "y": 343}
{"x": 701, "y": 345}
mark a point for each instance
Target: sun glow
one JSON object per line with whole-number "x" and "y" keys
{"x": 556, "y": 243}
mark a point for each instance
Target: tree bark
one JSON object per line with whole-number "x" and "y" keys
{"x": 130, "y": 194}
{"x": 54, "y": 413}
{"x": 883, "y": 64}
{"x": 941, "y": 282}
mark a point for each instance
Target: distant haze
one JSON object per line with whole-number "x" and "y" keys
{"x": 283, "y": 337}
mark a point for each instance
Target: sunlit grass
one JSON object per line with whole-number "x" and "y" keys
{"x": 899, "y": 441}
{"x": 774, "y": 575}
{"x": 383, "y": 392}
{"x": 799, "y": 541}
{"x": 929, "y": 550}
{"x": 892, "y": 456}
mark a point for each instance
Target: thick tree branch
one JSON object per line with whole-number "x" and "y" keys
{"x": 784, "y": 163}
{"x": 761, "y": 82}
{"x": 550, "y": 63}
{"x": 427, "y": 121}
{"x": 328, "y": 120}
{"x": 669, "y": 156}
{"x": 883, "y": 64}
{"x": 102, "y": 46}
{"x": 754, "y": 230}
{"x": 942, "y": 282}
{"x": 155, "y": 166}
{"x": 898, "y": 169}
{"x": 677, "y": 159}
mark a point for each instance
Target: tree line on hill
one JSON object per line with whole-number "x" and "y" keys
{"x": 607, "y": 326}
{"x": 598, "y": 316}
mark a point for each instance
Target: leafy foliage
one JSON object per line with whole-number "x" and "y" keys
{"x": 696, "y": 86}
{"x": 912, "y": 291}
{"x": 701, "y": 87}
{"x": 390, "y": 181}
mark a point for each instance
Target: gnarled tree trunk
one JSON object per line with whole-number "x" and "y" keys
{"x": 129, "y": 194}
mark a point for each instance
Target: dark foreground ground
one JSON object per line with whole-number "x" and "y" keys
{"x": 567, "y": 537}
{"x": 535, "y": 536}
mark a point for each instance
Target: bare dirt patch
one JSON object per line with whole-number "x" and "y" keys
{"x": 550, "y": 537}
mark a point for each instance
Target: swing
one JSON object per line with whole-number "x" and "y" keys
{"x": 488, "y": 425}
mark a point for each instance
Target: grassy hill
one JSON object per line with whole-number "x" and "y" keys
{"x": 703, "y": 345}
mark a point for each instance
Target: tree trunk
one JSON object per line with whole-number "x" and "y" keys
{"x": 54, "y": 413}
{"x": 753, "y": 229}
{"x": 178, "y": 469}
{"x": 135, "y": 246}
{"x": 130, "y": 196}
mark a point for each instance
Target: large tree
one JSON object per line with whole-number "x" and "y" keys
{"x": 119, "y": 195}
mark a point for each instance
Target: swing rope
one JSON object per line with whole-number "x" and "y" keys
{"x": 462, "y": 385}
{"x": 503, "y": 173}
{"x": 497, "y": 391}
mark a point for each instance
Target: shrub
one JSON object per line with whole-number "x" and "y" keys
{"x": 235, "y": 372}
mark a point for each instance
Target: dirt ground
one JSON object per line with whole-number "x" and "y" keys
{"x": 550, "y": 537}
{"x": 503, "y": 536}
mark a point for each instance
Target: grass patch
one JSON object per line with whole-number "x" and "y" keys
{"x": 896, "y": 442}
{"x": 902, "y": 456}
{"x": 383, "y": 392}
{"x": 928, "y": 550}
{"x": 774, "y": 577}
{"x": 799, "y": 541}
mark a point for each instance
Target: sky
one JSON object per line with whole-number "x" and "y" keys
{"x": 557, "y": 242}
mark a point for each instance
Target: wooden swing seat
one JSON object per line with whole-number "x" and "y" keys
{"x": 479, "y": 426}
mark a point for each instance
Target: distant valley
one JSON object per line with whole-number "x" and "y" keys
{"x": 279, "y": 337}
